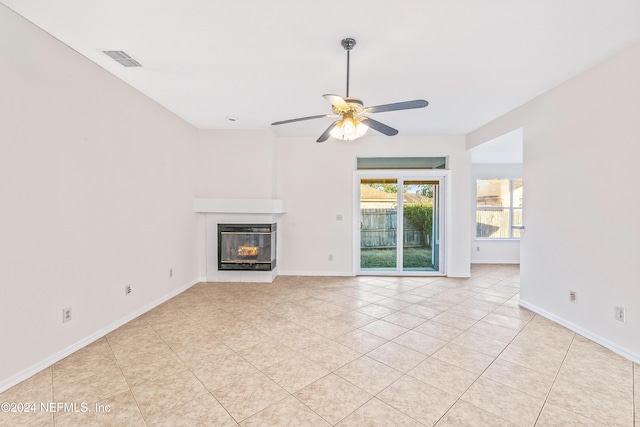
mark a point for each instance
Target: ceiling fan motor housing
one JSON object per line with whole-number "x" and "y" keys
{"x": 353, "y": 106}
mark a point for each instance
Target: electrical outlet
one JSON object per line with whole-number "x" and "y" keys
{"x": 127, "y": 289}
{"x": 339, "y": 217}
{"x": 477, "y": 248}
{"x": 330, "y": 257}
{"x": 573, "y": 296}
{"x": 66, "y": 314}
{"x": 170, "y": 273}
{"x": 620, "y": 313}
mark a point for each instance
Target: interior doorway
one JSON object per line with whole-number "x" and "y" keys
{"x": 400, "y": 225}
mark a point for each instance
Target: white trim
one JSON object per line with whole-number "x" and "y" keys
{"x": 45, "y": 363}
{"x": 495, "y": 261}
{"x": 245, "y": 206}
{"x": 464, "y": 275}
{"x": 634, "y": 357}
{"x": 350, "y": 274}
{"x": 409, "y": 273}
{"x": 355, "y": 214}
{"x": 317, "y": 273}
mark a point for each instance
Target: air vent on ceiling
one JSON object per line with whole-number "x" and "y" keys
{"x": 122, "y": 57}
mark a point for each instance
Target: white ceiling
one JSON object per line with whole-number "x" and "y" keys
{"x": 264, "y": 61}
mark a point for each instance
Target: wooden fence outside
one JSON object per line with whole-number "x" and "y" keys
{"x": 493, "y": 223}
{"x": 378, "y": 229}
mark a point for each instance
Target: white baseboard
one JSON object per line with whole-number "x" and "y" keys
{"x": 37, "y": 367}
{"x": 459, "y": 274}
{"x": 351, "y": 274}
{"x": 316, "y": 273}
{"x": 634, "y": 357}
{"x": 495, "y": 261}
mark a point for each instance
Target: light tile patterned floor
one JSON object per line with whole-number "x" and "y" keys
{"x": 345, "y": 351}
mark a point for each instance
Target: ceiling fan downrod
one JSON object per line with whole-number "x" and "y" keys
{"x": 348, "y": 44}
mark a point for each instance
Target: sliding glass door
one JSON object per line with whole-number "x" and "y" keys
{"x": 379, "y": 224}
{"x": 400, "y": 224}
{"x": 420, "y": 234}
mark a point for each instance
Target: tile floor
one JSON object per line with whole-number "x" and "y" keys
{"x": 345, "y": 351}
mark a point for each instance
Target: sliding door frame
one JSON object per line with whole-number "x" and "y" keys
{"x": 443, "y": 219}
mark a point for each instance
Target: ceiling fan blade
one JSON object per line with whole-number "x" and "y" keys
{"x": 337, "y": 101}
{"x": 407, "y": 105}
{"x": 327, "y": 133}
{"x": 320, "y": 116}
{"x": 380, "y": 127}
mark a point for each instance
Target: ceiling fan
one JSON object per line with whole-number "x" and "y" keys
{"x": 354, "y": 122}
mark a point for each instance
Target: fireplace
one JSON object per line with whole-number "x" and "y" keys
{"x": 247, "y": 247}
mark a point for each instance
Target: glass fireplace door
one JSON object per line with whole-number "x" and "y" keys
{"x": 247, "y": 246}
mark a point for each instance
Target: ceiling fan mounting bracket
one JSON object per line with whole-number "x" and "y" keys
{"x": 348, "y": 43}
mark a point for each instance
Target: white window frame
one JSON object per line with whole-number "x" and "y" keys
{"x": 511, "y": 208}
{"x": 444, "y": 220}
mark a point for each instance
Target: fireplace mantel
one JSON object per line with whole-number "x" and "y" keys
{"x": 240, "y": 206}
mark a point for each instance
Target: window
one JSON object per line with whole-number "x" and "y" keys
{"x": 498, "y": 208}
{"x": 401, "y": 163}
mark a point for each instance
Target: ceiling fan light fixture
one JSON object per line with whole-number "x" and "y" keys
{"x": 349, "y": 128}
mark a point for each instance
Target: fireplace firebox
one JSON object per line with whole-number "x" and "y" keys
{"x": 247, "y": 247}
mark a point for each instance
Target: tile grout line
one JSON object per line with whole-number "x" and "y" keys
{"x": 479, "y": 376}
{"x": 429, "y": 356}
{"x": 187, "y": 367}
{"x": 210, "y": 392}
{"x": 289, "y": 394}
{"x": 333, "y": 371}
{"x": 125, "y": 379}
{"x": 373, "y": 396}
{"x": 495, "y": 357}
{"x": 555, "y": 378}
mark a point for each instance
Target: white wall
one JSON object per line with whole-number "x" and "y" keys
{"x": 489, "y": 251}
{"x": 316, "y": 180}
{"x": 581, "y": 151}
{"x": 236, "y": 164}
{"x": 97, "y": 185}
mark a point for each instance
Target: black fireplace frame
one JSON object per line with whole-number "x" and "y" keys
{"x": 248, "y": 265}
